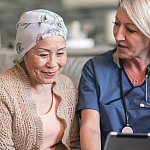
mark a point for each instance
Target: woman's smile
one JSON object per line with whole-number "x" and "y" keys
{"x": 51, "y": 73}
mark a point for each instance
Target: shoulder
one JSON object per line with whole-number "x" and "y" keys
{"x": 12, "y": 81}
{"x": 11, "y": 75}
{"x": 104, "y": 60}
{"x": 7, "y": 76}
{"x": 7, "y": 88}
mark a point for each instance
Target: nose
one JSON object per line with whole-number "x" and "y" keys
{"x": 120, "y": 34}
{"x": 51, "y": 62}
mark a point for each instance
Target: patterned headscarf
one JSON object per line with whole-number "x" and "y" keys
{"x": 36, "y": 25}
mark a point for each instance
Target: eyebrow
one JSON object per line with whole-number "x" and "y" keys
{"x": 50, "y": 50}
{"x": 128, "y": 23}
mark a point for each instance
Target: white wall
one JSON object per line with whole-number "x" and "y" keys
{"x": 89, "y": 3}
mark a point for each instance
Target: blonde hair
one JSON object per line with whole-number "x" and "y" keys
{"x": 139, "y": 13}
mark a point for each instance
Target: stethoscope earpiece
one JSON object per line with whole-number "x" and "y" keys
{"x": 144, "y": 106}
{"x": 148, "y": 71}
{"x": 146, "y": 94}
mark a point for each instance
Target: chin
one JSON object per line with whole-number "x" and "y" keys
{"x": 49, "y": 81}
{"x": 45, "y": 81}
{"x": 123, "y": 55}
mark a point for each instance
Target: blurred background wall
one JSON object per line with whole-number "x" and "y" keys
{"x": 89, "y": 23}
{"x": 85, "y": 19}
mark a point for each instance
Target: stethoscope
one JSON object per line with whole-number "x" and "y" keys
{"x": 146, "y": 88}
{"x": 128, "y": 128}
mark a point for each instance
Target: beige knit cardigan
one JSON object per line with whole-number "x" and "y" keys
{"x": 20, "y": 125}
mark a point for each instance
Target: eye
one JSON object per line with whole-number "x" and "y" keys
{"x": 131, "y": 30}
{"x": 43, "y": 55}
{"x": 59, "y": 54}
{"x": 116, "y": 23}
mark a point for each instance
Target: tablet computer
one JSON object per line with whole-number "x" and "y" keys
{"x": 123, "y": 141}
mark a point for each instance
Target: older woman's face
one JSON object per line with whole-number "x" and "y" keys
{"x": 131, "y": 43}
{"x": 46, "y": 60}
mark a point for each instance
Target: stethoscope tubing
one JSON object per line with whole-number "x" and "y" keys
{"x": 122, "y": 92}
{"x": 123, "y": 98}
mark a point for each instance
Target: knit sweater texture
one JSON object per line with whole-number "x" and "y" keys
{"x": 20, "y": 126}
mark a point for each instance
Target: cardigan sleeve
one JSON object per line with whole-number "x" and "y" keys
{"x": 75, "y": 138}
{"x": 74, "y": 133}
{"x": 6, "y": 141}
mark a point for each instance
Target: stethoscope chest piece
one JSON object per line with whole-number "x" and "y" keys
{"x": 127, "y": 129}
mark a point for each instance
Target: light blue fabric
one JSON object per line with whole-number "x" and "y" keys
{"x": 99, "y": 89}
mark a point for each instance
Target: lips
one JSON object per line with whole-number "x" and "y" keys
{"x": 50, "y": 73}
{"x": 122, "y": 46}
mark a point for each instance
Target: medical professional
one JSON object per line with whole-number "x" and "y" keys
{"x": 114, "y": 89}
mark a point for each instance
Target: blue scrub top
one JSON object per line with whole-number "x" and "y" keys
{"x": 99, "y": 89}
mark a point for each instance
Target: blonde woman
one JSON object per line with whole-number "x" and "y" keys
{"x": 114, "y": 90}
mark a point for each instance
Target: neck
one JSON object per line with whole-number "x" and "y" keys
{"x": 135, "y": 74}
{"x": 137, "y": 64}
{"x": 43, "y": 88}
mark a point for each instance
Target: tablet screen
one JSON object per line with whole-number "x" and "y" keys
{"x": 122, "y": 141}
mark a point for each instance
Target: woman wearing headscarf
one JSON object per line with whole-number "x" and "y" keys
{"x": 37, "y": 102}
